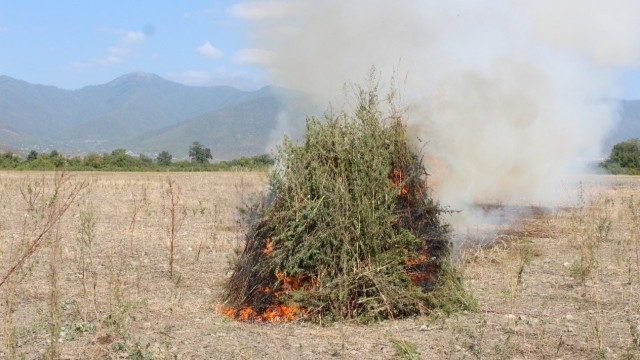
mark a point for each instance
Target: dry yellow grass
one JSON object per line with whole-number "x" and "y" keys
{"x": 559, "y": 285}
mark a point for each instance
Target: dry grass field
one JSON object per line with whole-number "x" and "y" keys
{"x": 104, "y": 283}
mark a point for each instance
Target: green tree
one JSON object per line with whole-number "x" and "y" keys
{"x": 145, "y": 160}
{"x": 74, "y": 163}
{"x": 93, "y": 160}
{"x": 56, "y": 159}
{"x": 627, "y": 153}
{"x": 120, "y": 158}
{"x": 199, "y": 154}
{"x": 624, "y": 157}
{"x": 9, "y": 161}
{"x": 164, "y": 158}
{"x": 33, "y": 155}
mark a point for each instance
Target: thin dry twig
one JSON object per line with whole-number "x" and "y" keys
{"x": 63, "y": 196}
{"x": 173, "y": 209}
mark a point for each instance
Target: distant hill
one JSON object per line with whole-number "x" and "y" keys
{"x": 27, "y": 109}
{"x": 237, "y": 130}
{"x": 140, "y": 112}
{"x": 145, "y": 113}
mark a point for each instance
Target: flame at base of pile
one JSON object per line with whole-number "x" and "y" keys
{"x": 277, "y": 311}
{"x": 273, "y": 313}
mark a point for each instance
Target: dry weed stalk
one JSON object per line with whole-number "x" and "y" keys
{"x": 9, "y": 330}
{"x": 138, "y": 205}
{"x": 55, "y": 321}
{"x": 86, "y": 266}
{"x": 592, "y": 226}
{"x": 64, "y": 194}
{"x": 635, "y": 231}
{"x": 176, "y": 215}
{"x": 32, "y": 194}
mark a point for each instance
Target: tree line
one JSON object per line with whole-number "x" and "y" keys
{"x": 121, "y": 160}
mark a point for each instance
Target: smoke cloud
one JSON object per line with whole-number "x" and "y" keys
{"x": 508, "y": 95}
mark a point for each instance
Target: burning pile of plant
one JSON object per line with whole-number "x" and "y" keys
{"x": 348, "y": 229}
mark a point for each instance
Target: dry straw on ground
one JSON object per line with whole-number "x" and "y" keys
{"x": 570, "y": 292}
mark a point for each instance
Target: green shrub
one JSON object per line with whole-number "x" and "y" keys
{"x": 624, "y": 158}
{"x": 9, "y": 161}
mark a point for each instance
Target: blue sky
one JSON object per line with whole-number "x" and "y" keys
{"x": 631, "y": 84}
{"x": 71, "y": 44}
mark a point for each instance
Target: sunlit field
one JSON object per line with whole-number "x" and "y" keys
{"x": 88, "y": 271}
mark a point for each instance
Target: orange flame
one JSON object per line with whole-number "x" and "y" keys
{"x": 397, "y": 178}
{"x": 419, "y": 260}
{"x": 227, "y": 310}
{"x": 281, "y": 312}
{"x": 419, "y": 276}
{"x": 278, "y": 311}
{"x": 245, "y": 314}
{"x": 423, "y": 257}
{"x": 273, "y": 313}
{"x": 268, "y": 247}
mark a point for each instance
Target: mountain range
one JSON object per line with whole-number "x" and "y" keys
{"x": 142, "y": 113}
{"x": 145, "y": 113}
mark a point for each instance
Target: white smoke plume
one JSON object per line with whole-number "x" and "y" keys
{"x": 508, "y": 95}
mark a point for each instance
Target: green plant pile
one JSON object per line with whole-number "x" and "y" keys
{"x": 348, "y": 229}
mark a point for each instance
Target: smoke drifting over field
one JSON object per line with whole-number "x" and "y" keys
{"x": 508, "y": 95}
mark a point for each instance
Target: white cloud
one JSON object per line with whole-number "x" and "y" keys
{"x": 133, "y": 37}
{"x": 257, "y": 10}
{"x": 209, "y": 50}
{"x": 220, "y": 76}
{"x": 194, "y": 77}
{"x": 253, "y": 56}
{"x": 119, "y": 53}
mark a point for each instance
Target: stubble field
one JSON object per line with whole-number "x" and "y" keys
{"x": 559, "y": 284}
